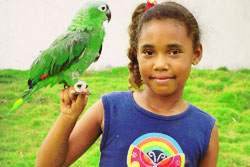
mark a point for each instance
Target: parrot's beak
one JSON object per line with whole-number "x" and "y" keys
{"x": 108, "y": 15}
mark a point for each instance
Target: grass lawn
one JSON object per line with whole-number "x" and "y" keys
{"x": 223, "y": 94}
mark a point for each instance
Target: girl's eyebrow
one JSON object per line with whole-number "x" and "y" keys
{"x": 147, "y": 46}
{"x": 175, "y": 45}
{"x": 169, "y": 46}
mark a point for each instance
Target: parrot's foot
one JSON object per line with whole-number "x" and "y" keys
{"x": 80, "y": 85}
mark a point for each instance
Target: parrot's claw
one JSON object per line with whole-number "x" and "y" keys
{"x": 80, "y": 86}
{"x": 89, "y": 92}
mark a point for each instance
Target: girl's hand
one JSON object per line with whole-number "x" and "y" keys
{"x": 72, "y": 104}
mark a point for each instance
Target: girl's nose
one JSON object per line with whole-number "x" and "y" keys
{"x": 161, "y": 63}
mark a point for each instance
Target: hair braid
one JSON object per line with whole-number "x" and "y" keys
{"x": 135, "y": 76}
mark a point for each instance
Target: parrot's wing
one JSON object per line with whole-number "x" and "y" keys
{"x": 63, "y": 52}
{"x": 97, "y": 57}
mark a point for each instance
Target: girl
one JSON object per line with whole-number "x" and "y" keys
{"x": 149, "y": 127}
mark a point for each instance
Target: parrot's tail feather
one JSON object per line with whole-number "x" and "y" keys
{"x": 20, "y": 101}
{"x": 16, "y": 105}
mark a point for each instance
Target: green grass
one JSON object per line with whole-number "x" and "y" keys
{"x": 222, "y": 93}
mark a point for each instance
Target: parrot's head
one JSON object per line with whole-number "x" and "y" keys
{"x": 98, "y": 9}
{"x": 92, "y": 13}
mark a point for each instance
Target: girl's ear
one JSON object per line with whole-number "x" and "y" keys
{"x": 197, "y": 55}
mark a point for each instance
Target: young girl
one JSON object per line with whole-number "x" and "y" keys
{"x": 149, "y": 127}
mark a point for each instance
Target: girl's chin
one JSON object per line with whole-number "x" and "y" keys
{"x": 162, "y": 91}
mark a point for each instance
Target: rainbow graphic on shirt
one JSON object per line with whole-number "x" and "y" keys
{"x": 155, "y": 150}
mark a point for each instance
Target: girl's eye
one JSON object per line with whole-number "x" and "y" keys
{"x": 148, "y": 52}
{"x": 174, "y": 52}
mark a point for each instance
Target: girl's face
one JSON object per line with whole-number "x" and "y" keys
{"x": 165, "y": 55}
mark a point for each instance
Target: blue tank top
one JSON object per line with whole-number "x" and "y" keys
{"x": 135, "y": 137}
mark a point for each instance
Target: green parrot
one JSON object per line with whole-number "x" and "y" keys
{"x": 72, "y": 52}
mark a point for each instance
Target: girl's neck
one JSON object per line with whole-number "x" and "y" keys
{"x": 162, "y": 105}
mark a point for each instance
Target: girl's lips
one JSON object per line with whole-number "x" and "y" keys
{"x": 162, "y": 80}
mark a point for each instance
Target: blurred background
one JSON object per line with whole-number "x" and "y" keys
{"x": 30, "y": 26}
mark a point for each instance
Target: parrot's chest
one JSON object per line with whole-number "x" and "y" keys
{"x": 92, "y": 50}
{"x": 96, "y": 40}
{"x": 94, "y": 45}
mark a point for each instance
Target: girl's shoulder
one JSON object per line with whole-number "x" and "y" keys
{"x": 200, "y": 114}
{"x": 116, "y": 98}
{"x": 116, "y": 95}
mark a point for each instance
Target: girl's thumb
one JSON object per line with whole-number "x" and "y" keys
{"x": 82, "y": 99}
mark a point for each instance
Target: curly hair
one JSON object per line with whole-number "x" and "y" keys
{"x": 140, "y": 16}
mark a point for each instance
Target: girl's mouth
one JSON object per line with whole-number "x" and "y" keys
{"x": 162, "y": 79}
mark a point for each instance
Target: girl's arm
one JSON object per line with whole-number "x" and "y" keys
{"x": 65, "y": 141}
{"x": 210, "y": 159}
{"x": 85, "y": 133}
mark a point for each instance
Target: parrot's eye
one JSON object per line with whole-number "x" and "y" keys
{"x": 103, "y": 8}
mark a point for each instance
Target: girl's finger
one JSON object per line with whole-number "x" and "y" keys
{"x": 84, "y": 92}
{"x": 61, "y": 95}
{"x": 72, "y": 93}
{"x": 66, "y": 97}
{"x": 82, "y": 98}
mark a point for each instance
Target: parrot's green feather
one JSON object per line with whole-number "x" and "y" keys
{"x": 72, "y": 52}
{"x": 24, "y": 98}
{"x": 63, "y": 53}
{"x": 16, "y": 105}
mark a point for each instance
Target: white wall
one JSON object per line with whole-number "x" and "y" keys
{"x": 29, "y": 26}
